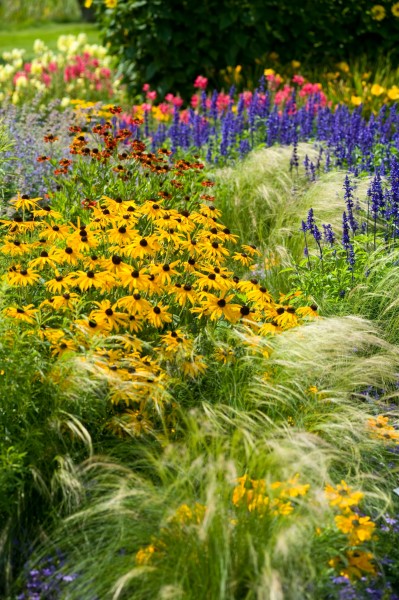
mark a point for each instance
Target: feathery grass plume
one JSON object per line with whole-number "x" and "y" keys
{"x": 47, "y": 414}
{"x": 172, "y": 525}
{"x": 260, "y": 195}
{"x": 377, "y": 297}
{"x": 168, "y": 523}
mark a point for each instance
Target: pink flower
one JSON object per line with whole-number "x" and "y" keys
{"x": 164, "y": 107}
{"x": 151, "y": 95}
{"x": 194, "y": 101}
{"x": 177, "y": 101}
{"x": 201, "y": 82}
{"x": 247, "y": 96}
{"x": 146, "y": 87}
{"x": 105, "y": 72}
{"x": 46, "y": 79}
{"x": 298, "y": 79}
{"x": 184, "y": 116}
{"x": 169, "y": 98}
{"x": 146, "y": 107}
{"x": 27, "y": 67}
{"x": 52, "y": 67}
{"x": 222, "y": 101}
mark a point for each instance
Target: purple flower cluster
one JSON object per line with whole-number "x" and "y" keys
{"x": 27, "y": 126}
{"x": 46, "y": 581}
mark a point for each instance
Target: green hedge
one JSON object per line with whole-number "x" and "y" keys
{"x": 168, "y": 42}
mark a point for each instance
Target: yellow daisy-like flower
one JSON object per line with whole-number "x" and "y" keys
{"x": 25, "y": 314}
{"x": 378, "y": 12}
{"x": 359, "y": 529}
{"x": 24, "y": 202}
{"x": 23, "y": 277}
{"x": 216, "y": 308}
{"x": 111, "y": 3}
{"x": 158, "y": 315}
{"x": 108, "y": 314}
{"x": 195, "y": 367}
{"x": 395, "y": 9}
{"x": 342, "y": 495}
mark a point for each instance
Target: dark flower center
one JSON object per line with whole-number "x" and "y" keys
{"x": 24, "y": 272}
{"x": 116, "y": 259}
{"x": 187, "y": 287}
{"x": 244, "y": 310}
{"x": 68, "y": 250}
{"x": 166, "y": 268}
{"x": 136, "y": 296}
{"x": 92, "y": 324}
{"x": 222, "y": 303}
{"x": 157, "y": 310}
{"x": 90, "y": 274}
{"x": 44, "y": 254}
{"x": 109, "y": 312}
{"x": 122, "y": 229}
{"x": 143, "y": 243}
{"x": 280, "y": 310}
{"x": 59, "y": 278}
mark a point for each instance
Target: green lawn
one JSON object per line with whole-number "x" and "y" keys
{"x": 49, "y": 33}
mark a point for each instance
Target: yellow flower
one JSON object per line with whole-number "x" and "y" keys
{"x": 393, "y": 92}
{"x": 88, "y": 3}
{"x": 395, "y": 9}
{"x": 295, "y": 64}
{"x": 377, "y": 90}
{"x": 26, "y": 313}
{"x": 111, "y": 3}
{"x": 356, "y": 100}
{"x": 359, "y": 529}
{"x": 267, "y": 72}
{"x": 342, "y": 495}
{"x": 144, "y": 555}
{"x": 378, "y": 12}
{"x": 343, "y": 66}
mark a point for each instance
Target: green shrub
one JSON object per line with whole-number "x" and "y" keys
{"x": 169, "y": 43}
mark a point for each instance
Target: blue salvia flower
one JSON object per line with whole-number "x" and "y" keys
{"x": 348, "y": 196}
{"x": 329, "y": 234}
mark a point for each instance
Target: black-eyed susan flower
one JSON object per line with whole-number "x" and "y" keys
{"x": 107, "y": 313}
{"x": 134, "y": 304}
{"x": 377, "y": 12}
{"x": 92, "y": 279}
{"x": 142, "y": 247}
{"x": 45, "y": 259}
{"x": 15, "y": 248}
{"x": 165, "y": 271}
{"x": 195, "y": 367}
{"x": 358, "y": 528}
{"x": 24, "y": 202}
{"x": 216, "y": 307}
{"x": 91, "y": 326}
{"x": 342, "y": 495}
{"x": 184, "y": 294}
{"x": 58, "y": 284}
{"x": 243, "y": 258}
{"x": 68, "y": 256}
{"x": 158, "y": 315}
{"x": 22, "y": 277}
{"x": 26, "y": 314}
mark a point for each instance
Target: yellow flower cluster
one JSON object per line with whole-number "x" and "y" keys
{"x": 274, "y": 499}
{"x": 383, "y": 430}
{"x": 153, "y": 266}
{"x": 357, "y": 528}
{"x": 184, "y": 517}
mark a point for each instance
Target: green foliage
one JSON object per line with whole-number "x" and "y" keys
{"x": 169, "y": 44}
{"x": 25, "y": 11}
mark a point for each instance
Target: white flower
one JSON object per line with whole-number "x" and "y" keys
{"x": 39, "y": 47}
{"x": 65, "y": 101}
